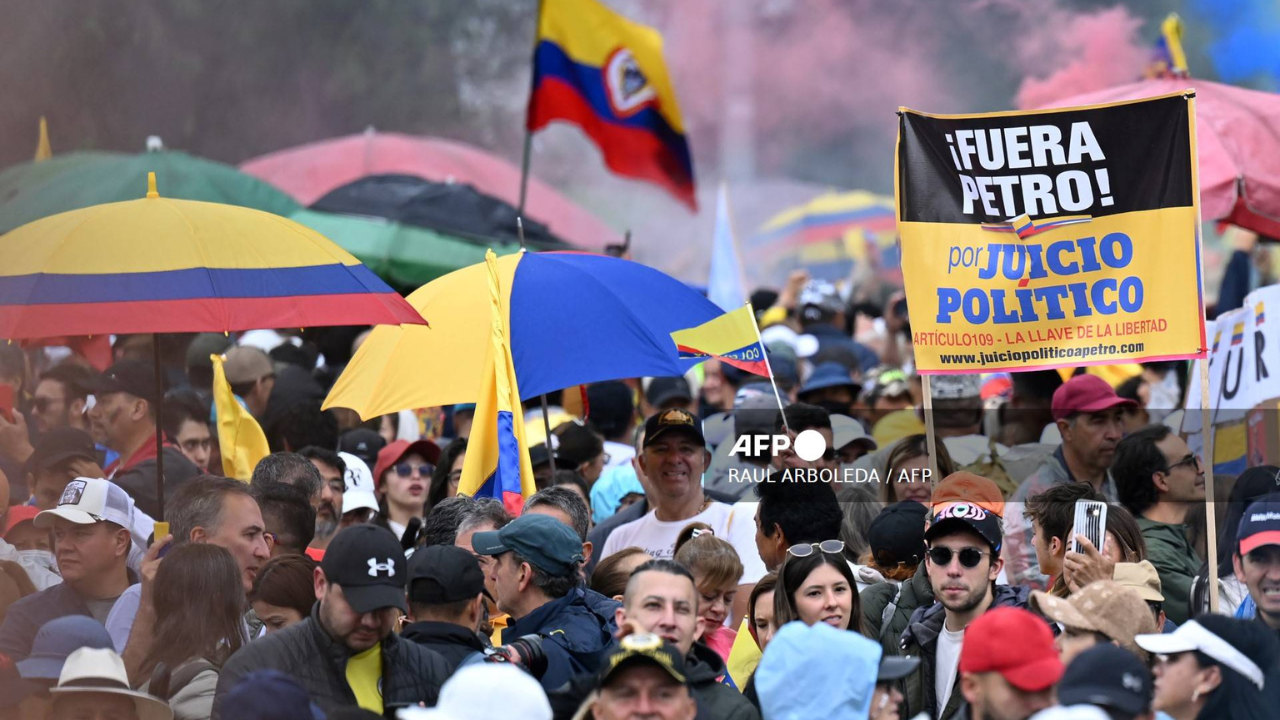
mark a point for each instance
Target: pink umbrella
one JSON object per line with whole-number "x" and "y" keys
{"x": 309, "y": 171}
{"x": 1238, "y": 135}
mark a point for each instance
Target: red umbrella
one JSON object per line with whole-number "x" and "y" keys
{"x": 1238, "y": 134}
{"x": 307, "y": 172}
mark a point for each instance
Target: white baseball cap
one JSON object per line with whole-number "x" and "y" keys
{"x": 359, "y": 485}
{"x": 86, "y": 501}
{"x": 845, "y": 430}
{"x": 101, "y": 671}
{"x": 469, "y": 695}
{"x": 1191, "y": 635}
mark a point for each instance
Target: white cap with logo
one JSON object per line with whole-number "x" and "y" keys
{"x": 91, "y": 500}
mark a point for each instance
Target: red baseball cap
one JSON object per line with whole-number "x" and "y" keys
{"x": 19, "y": 514}
{"x": 399, "y": 450}
{"x": 1085, "y": 394}
{"x": 1031, "y": 664}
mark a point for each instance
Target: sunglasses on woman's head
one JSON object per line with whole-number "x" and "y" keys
{"x": 405, "y": 470}
{"x": 830, "y": 547}
{"x": 969, "y": 557}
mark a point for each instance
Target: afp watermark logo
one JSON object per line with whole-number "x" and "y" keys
{"x": 809, "y": 445}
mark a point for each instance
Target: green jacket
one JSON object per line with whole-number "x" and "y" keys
{"x": 1175, "y": 561}
{"x": 915, "y": 592}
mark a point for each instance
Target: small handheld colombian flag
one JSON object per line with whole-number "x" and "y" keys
{"x": 731, "y": 337}
{"x": 605, "y": 74}
{"x": 497, "y": 462}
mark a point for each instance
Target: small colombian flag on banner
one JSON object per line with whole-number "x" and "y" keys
{"x": 731, "y": 337}
{"x": 497, "y": 462}
{"x": 240, "y": 437}
{"x": 605, "y": 74}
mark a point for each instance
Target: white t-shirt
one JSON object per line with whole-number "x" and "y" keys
{"x": 948, "y": 661}
{"x": 658, "y": 539}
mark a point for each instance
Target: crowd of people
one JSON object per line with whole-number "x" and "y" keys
{"x": 662, "y": 569}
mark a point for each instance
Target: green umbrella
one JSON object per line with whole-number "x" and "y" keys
{"x": 406, "y": 256}
{"x": 76, "y": 180}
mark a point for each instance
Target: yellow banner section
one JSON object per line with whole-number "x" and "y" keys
{"x": 1118, "y": 288}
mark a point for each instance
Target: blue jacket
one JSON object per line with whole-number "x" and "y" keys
{"x": 576, "y": 632}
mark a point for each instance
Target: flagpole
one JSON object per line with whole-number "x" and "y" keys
{"x": 546, "y": 414}
{"x": 776, "y": 395}
{"x": 931, "y": 443}
{"x": 528, "y": 135}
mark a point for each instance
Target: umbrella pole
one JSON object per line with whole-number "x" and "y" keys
{"x": 546, "y": 422}
{"x": 159, "y": 405}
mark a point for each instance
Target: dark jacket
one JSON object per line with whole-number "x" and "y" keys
{"x": 454, "y": 642}
{"x": 410, "y": 673}
{"x": 921, "y": 639}
{"x": 913, "y": 593}
{"x": 26, "y": 616}
{"x": 576, "y": 632}
{"x": 140, "y": 480}
{"x": 1175, "y": 561}
{"x": 716, "y": 701}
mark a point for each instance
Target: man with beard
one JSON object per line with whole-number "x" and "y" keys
{"x": 328, "y": 504}
{"x": 1090, "y": 417}
{"x": 962, "y": 563}
{"x": 345, "y": 654}
{"x": 1159, "y": 479}
{"x": 1008, "y": 666}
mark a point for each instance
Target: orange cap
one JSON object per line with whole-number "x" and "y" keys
{"x": 970, "y": 488}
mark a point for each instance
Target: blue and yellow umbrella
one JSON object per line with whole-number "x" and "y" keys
{"x": 572, "y": 318}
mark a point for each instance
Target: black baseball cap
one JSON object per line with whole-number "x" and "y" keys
{"x": 673, "y": 420}
{"x": 364, "y": 444}
{"x": 896, "y": 535}
{"x": 57, "y": 446}
{"x": 1109, "y": 677}
{"x": 440, "y": 574}
{"x": 643, "y": 649}
{"x": 665, "y": 389}
{"x": 128, "y": 376}
{"x": 366, "y": 561}
{"x": 541, "y": 539}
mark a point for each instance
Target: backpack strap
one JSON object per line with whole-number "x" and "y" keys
{"x": 889, "y": 610}
{"x": 185, "y": 674}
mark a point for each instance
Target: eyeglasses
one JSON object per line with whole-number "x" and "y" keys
{"x": 607, "y": 458}
{"x": 455, "y": 477}
{"x": 405, "y": 470}
{"x": 830, "y": 547}
{"x": 969, "y": 557}
{"x": 1192, "y": 459}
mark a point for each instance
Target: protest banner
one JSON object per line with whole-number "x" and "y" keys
{"x": 1053, "y": 238}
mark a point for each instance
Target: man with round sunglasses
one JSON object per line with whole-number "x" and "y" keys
{"x": 963, "y": 561}
{"x": 1160, "y": 480}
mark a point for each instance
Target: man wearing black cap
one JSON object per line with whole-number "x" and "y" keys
{"x": 535, "y": 577}
{"x": 644, "y": 678}
{"x": 673, "y": 459}
{"x": 896, "y": 537}
{"x": 60, "y": 456}
{"x": 125, "y": 415}
{"x": 1110, "y": 678}
{"x": 345, "y": 654}
{"x": 446, "y": 602}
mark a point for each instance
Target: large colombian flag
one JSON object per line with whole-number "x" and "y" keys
{"x": 605, "y": 74}
{"x": 497, "y": 461}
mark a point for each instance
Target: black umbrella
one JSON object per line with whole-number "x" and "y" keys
{"x": 457, "y": 209}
